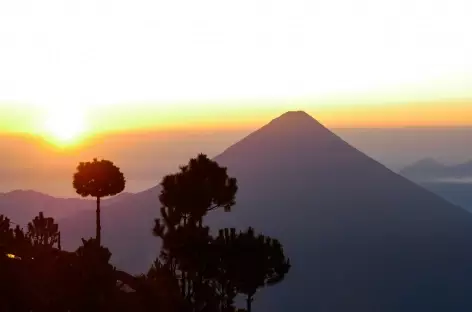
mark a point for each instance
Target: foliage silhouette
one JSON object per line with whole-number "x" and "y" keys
{"x": 159, "y": 289}
{"x": 4, "y": 224}
{"x": 12, "y": 240}
{"x": 43, "y": 231}
{"x": 199, "y": 187}
{"x": 6, "y": 233}
{"x": 99, "y": 178}
{"x": 251, "y": 262}
{"x": 211, "y": 272}
{"x": 186, "y": 197}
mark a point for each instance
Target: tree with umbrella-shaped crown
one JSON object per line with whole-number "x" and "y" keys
{"x": 99, "y": 178}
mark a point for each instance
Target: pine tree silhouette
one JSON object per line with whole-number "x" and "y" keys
{"x": 186, "y": 197}
{"x": 256, "y": 262}
{"x": 249, "y": 262}
{"x": 211, "y": 272}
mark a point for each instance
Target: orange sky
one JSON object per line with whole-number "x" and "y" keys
{"x": 232, "y": 115}
{"x": 449, "y": 114}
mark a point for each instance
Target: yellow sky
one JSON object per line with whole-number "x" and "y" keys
{"x": 220, "y": 63}
{"x": 112, "y": 118}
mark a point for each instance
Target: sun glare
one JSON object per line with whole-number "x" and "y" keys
{"x": 64, "y": 126}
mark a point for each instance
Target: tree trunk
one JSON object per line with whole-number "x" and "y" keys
{"x": 99, "y": 228}
{"x": 249, "y": 303}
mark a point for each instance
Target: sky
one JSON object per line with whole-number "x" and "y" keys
{"x": 112, "y": 65}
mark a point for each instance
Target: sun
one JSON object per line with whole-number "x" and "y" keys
{"x": 64, "y": 126}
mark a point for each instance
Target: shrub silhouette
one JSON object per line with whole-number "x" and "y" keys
{"x": 98, "y": 179}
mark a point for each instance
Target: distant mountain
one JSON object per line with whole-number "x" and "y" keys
{"x": 456, "y": 192}
{"x": 399, "y": 147}
{"x": 453, "y": 182}
{"x": 360, "y": 237}
{"x": 126, "y": 229}
{"x": 21, "y": 206}
{"x": 431, "y": 170}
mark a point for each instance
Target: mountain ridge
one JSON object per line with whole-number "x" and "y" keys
{"x": 430, "y": 170}
{"x": 21, "y": 206}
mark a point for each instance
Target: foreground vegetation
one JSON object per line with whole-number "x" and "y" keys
{"x": 198, "y": 269}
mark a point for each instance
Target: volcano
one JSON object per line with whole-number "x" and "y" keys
{"x": 360, "y": 237}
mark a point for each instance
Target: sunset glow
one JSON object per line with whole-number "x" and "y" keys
{"x": 64, "y": 126}
{"x": 69, "y": 125}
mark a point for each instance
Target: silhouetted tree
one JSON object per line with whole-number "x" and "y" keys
{"x": 4, "y": 224}
{"x": 186, "y": 197}
{"x": 43, "y": 231}
{"x": 21, "y": 243}
{"x": 98, "y": 179}
{"x": 158, "y": 290}
{"x": 6, "y": 233}
{"x": 222, "y": 249}
{"x": 199, "y": 187}
{"x": 211, "y": 272}
{"x": 251, "y": 262}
